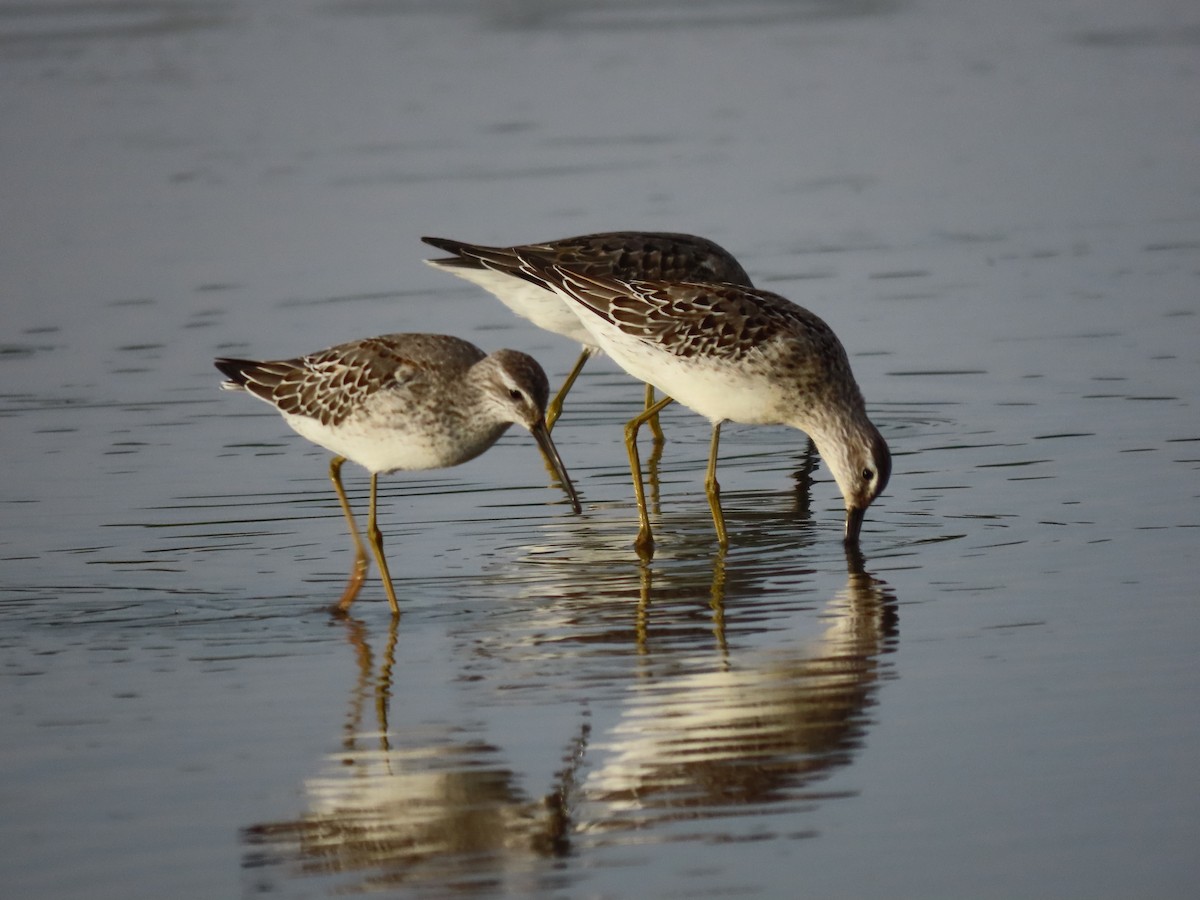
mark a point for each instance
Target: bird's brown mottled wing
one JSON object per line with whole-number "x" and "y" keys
{"x": 627, "y": 255}
{"x": 330, "y": 385}
{"x": 691, "y": 319}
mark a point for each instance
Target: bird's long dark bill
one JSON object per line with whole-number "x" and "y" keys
{"x": 542, "y": 435}
{"x": 854, "y": 520}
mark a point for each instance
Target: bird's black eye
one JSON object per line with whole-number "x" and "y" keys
{"x": 868, "y": 474}
{"x": 514, "y": 394}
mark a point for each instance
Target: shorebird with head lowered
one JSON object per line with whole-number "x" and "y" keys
{"x": 732, "y": 354}
{"x": 401, "y": 402}
{"x": 627, "y": 255}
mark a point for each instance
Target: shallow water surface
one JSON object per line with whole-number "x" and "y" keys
{"x": 994, "y": 206}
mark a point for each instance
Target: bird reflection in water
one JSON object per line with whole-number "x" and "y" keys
{"x": 759, "y": 730}
{"x": 422, "y": 806}
{"x": 739, "y": 732}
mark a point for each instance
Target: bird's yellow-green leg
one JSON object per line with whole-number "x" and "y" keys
{"x": 655, "y": 428}
{"x": 554, "y": 410}
{"x": 645, "y": 538}
{"x": 717, "y": 601}
{"x": 376, "y": 538}
{"x": 714, "y": 489}
{"x": 361, "y": 563}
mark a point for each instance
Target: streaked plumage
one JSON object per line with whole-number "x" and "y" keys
{"x": 627, "y": 255}
{"x": 730, "y": 353}
{"x": 401, "y": 402}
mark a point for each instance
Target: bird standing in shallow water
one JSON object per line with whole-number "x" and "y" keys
{"x": 401, "y": 401}
{"x": 730, "y": 353}
{"x": 627, "y": 255}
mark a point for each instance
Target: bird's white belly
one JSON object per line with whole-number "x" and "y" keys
{"x": 394, "y": 447}
{"x": 719, "y": 392}
{"x": 543, "y": 308}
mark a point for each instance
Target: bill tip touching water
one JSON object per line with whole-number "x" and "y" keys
{"x": 867, "y": 477}
{"x": 401, "y": 402}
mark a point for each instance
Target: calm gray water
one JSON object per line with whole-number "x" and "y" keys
{"x": 997, "y": 206}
